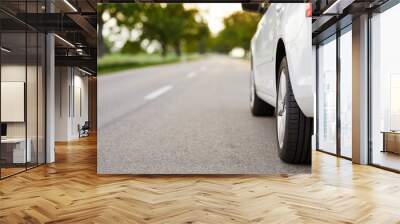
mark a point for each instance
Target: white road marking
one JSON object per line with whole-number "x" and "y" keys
{"x": 158, "y": 92}
{"x": 191, "y": 75}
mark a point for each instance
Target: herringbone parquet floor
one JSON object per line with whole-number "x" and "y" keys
{"x": 69, "y": 191}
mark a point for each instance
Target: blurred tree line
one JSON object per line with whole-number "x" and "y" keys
{"x": 175, "y": 29}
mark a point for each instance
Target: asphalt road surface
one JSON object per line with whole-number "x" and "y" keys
{"x": 185, "y": 118}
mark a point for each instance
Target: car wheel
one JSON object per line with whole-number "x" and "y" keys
{"x": 257, "y": 106}
{"x": 293, "y": 128}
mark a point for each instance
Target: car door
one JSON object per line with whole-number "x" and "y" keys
{"x": 258, "y": 46}
{"x": 278, "y": 9}
{"x": 264, "y": 55}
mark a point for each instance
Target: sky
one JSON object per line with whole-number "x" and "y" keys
{"x": 213, "y": 13}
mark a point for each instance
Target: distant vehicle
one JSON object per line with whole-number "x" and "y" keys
{"x": 281, "y": 80}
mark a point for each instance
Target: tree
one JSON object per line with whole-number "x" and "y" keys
{"x": 238, "y": 31}
{"x": 131, "y": 47}
{"x": 101, "y": 44}
{"x": 169, "y": 25}
{"x": 198, "y": 37}
{"x": 125, "y": 14}
{"x": 203, "y": 36}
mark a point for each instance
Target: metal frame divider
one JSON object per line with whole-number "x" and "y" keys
{"x": 316, "y": 97}
{"x": 0, "y": 96}
{"x": 338, "y": 98}
{"x": 26, "y": 86}
{"x": 369, "y": 55}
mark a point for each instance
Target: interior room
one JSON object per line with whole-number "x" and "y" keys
{"x": 385, "y": 90}
{"x": 380, "y": 88}
{"x": 48, "y": 82}
{"x": 72, "y": 95}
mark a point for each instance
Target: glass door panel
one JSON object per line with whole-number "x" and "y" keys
{"x": 346, "y": 94}
{"x": 385, "y": 89}
{"x": 14, "y": 153}
{"x": 327, "y": 96}
{"x": 31, "y": 100}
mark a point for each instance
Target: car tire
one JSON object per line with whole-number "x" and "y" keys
{"x": 257, "y": 106}
{"x": 293, "y": 128}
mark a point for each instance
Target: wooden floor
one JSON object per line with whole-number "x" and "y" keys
{"x": 387, "y": 159}
{"x": 69, "y": 191}
{"x": 5, "y": 172}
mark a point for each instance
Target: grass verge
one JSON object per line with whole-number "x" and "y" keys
{"x": 119, "y": 62}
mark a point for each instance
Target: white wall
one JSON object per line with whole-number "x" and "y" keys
{"x": 62, "y": 82}
{"x": 33, "y": 126}
{"x": 70, "y": 83}
{"x": 12, "y": 73}
{"x": 79, "y": 117}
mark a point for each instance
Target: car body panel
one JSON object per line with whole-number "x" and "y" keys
{"x": 286, "y": 22}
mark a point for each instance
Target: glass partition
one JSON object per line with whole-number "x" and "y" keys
{"x": 346, "y": 93}
{"x": 22, "y": 77}
{"x": 14, "y": 153}
{"x": 31, "y": 99}
{"x": 327, "y": 96}
{"x": 385, "y": 89}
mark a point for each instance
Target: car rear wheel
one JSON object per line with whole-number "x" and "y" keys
{"x": 257, "y": 106}
{"x": 293, "y": 128}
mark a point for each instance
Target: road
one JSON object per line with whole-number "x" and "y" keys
{"x": 185, "y": 118}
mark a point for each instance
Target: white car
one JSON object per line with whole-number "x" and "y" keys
{"x": 282, "y": 81}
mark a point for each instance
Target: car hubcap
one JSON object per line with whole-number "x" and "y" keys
{"x": 281, "y": 109}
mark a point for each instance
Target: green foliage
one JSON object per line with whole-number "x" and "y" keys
{"x": 198, "y": 38}
{"x": 239, "y": 29}
{"x": 118, "y": 62}
{"x": 131, "y": 47}
{"x": 179, "y": 29}
{"x": 170, "y": 25}
{"x": 126, "y": 14}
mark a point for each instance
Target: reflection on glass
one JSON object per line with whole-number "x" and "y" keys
{"x": 327, "y": 97}
{"x": 395, "y": 102}
{"x": 346, "y": 94}
{"x": 31, "y": 101}
{"x": 22, "y": 89}
{"x": 15, "y": 151}
{"x": 385, "y": 84}
{"x": 41, "y": 99}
